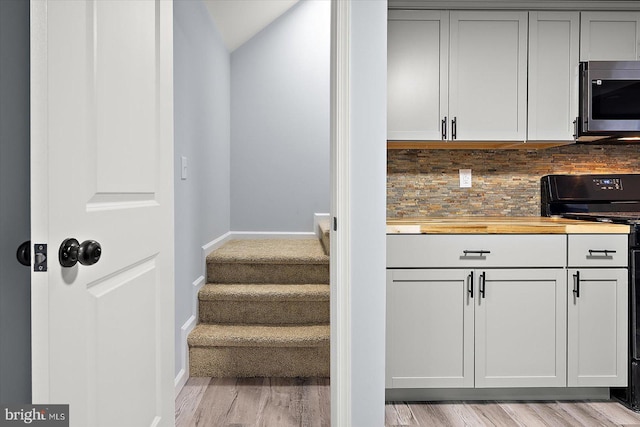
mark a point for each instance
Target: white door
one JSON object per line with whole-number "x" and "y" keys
{"x": 102, "y": 147}
{"x": 610, "y": 36}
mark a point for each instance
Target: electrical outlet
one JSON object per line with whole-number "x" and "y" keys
{"x": 465, "y": 178}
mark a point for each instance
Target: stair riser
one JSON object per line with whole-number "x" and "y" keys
{"x": 267, "y": 273}
{"x": 264, "y": 312}
{"x": 259, "y": 361}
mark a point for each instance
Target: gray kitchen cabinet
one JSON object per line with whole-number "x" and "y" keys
{"x": 461, "y": 328}
{"x": 597, "y": 327}
{"x": 457, "y": 75}
{"x": 417, "y": 74}
{"x": 430, "y": 324}
{"x": 553, "y": 75}
{"x": 610, "y": 36}
{"x": 476, "y": 310}
{"x": 488, "y": 76}
{"x": 520, "y": 328}
{"x": 597, "y": 310}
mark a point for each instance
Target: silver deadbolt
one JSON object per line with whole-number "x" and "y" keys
{"x": 72, "y": 252}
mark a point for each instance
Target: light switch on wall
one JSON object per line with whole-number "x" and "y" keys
{"x": 183, "y": 167}
{"x": 465, "y": 178}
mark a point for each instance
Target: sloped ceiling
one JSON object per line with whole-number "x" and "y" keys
{"x": 239, "y": 20}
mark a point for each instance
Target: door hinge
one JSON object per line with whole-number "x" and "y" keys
{"x": 40, "y": 257}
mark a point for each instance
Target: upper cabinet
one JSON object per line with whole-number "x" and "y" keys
{"x": 553, "y": 75}
{"x": 457, "y": 75}
{"x": 417, "y": 74}
{"x": 488, "y": 76}
{"x": 610, "y": 36}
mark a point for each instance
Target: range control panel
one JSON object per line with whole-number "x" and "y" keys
{"x": 608, "y": 184}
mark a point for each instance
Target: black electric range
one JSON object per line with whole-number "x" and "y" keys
{"x": 611, "y": 198}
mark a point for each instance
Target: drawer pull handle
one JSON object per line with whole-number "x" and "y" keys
{"x": 483, "y": 282}
{"x": 470, "y": 285}
{"x": 481, "y": 253}
{"x": 606, "y": 252}
{"x": 576, "y": 284}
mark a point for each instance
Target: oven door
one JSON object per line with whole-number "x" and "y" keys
{"x": 612, "y": 100}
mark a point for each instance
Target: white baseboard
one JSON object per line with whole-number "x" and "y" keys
{"x": 183, "y": 375}
{"x": 185, "y": 330}
{"x": 245, "y": 235}
{"x": 317, "y": 217}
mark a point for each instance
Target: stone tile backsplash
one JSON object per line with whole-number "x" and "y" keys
{"x": 504, "y": 182}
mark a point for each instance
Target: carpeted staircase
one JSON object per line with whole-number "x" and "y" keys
{"x": 264, "y": 311}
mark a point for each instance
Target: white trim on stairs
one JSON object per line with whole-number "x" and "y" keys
{"x": 317, "y": 217}
{"x": 183, "y": 374}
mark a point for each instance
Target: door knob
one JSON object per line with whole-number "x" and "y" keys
{"x": 72, "y": 252}
{"x": 24, "y": 253}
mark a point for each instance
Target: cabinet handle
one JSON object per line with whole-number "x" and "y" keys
{"x": 454, "y": 128}
{"x": 481, "y": 252}
{"x": 443, "y": 128}
{"x": 606, "y": 252}
{"x": 470, "y": 284}
{"x": 576, "y": 284}
{"x": 483, "y": 281}
{"x": 575, "y": 129}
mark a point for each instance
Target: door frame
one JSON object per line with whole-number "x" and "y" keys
{"x": 340, "y": 211}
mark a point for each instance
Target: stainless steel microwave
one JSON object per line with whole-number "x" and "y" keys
{"x": 609, "y": 101}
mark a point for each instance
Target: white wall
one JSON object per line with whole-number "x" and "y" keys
{"x": 280, "y": 123}
{"x": 202, "y": 129}
{"x": 15, "y": 291}
{"x": 368, "y": 80}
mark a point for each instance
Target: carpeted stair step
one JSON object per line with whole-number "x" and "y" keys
{"x": 269, "y": 261}
{"x": 264, "y": 303}
{"x": 325, "y": 231}
{"x": 259, "y": 351}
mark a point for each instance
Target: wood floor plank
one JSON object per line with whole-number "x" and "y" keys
{"x": 434, "y": 414}
{"x": 556, "y": 414}
{"x": 216, "y": 403}
{"x": 491, "y": 414}
{"x": 189, "y": 399}
{"x": 317, "y": 397}
{"x": 399, "y": 414}
{"x": 586, "y": 414}
{"x": 461, "y": 414}
{"x": 616, "y": 412}
{"x": 523, "y": 414}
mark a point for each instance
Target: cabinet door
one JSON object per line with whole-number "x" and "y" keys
{"x": 597, "y": 327}
{"x": 488, "y": 75}
{"x": 429, "y": 329}
{"x": 520, "y": 335}
{"x": 610, "y": 36}
{"x": 553, "y": 75}
{"x": 417, "y": 74}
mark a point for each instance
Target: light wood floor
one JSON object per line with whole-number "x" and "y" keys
{"x": 281, "y": 402}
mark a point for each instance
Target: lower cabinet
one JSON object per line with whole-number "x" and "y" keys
{"x": 476, "y": 328}
{"x": 597, "y": 327}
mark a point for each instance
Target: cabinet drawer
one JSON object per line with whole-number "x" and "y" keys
{"x": 598, "y": 250}
{"x": 476, "y": 250}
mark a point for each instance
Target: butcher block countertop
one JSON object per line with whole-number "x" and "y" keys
{"x": 500, "y": 225}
